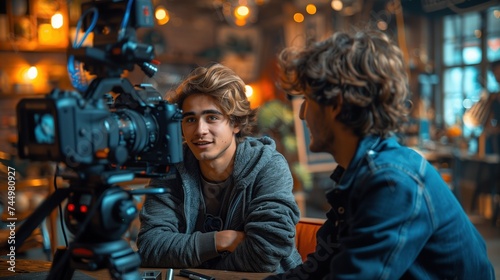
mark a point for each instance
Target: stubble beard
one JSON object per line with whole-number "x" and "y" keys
{"x": 322, "y": 147}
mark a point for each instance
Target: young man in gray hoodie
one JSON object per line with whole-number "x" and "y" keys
{"x": 231, "y": 205}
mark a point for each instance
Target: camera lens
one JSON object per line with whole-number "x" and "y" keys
{"x": 136, "y": 131}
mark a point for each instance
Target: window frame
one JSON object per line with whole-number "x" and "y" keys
{"x": 442, "y": 68}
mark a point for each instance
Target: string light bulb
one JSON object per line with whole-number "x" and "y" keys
{"x": 347, "y": 8}
{"x": 162, "y": 16}
{"x": 32, "y": 73}
{"x": 248, "y": 90}
{"x": 298, "y": 17}
{"x": 57, "y": 20}
{"x": 240, "y": 12}
{"x": 311, "y": 9}
{"x": 337, "y": 5}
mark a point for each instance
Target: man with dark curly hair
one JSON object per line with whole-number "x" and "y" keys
{"x": 230, "y": 205}
{"x": 392, "y": 216}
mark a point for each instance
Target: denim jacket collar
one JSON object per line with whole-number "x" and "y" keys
{"x": 367, "y": 144}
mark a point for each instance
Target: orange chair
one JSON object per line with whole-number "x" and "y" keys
{"x": 305, "y": 235}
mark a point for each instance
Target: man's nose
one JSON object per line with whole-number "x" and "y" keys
{"x": 202, "y": 127}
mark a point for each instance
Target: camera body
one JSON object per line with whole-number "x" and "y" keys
{"x": 135, "y": 129}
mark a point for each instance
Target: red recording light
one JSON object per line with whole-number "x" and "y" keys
{"x": 145, "y": 11}
{"x": 71, "y": 207}
{"x": 83, "y": 208}
{"x": 83, "y": 252}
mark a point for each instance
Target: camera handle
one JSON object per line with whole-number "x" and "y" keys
{"x": 88, "y": 251}
{"x": 117, "y": 85}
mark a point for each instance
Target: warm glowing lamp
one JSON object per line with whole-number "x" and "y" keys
{"x": 337, "y": 5}
{"x": 57, "y": 20}
{"x": 311, "y": 9}
{"x": 32, "y": 73}
{"x": 241, "y": 12}
{"x": 248, "y": 91}
{"x": 162, "y": 16}
{"x": 298, "y": 17}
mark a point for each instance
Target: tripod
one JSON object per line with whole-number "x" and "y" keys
{"x": 98, "y": 213}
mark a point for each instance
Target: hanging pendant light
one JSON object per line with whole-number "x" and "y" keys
{"x": 240, "y": 12}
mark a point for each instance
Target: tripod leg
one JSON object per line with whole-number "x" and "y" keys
{"x": 46, "y": 240}
{"x": 60, "y": 270}
{"x": 39, "y": 215}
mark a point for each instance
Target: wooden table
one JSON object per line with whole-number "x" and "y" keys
{"x": 35, "y": 269}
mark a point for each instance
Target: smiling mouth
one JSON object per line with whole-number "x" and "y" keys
{"x": 202, "y": 143}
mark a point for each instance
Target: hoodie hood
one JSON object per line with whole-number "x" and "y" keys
{"x": 252, "y": 155}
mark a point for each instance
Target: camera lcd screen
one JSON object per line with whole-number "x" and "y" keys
{"x": 43, "y": 128}
{"x": 38, "y": 127}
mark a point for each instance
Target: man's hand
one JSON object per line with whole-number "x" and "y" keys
{"x": 228, "y": 240}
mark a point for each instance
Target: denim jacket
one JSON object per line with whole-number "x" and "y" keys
{"x": 393, "y": 217}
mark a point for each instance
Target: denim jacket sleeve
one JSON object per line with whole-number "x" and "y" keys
{"x": 384, "y": 228}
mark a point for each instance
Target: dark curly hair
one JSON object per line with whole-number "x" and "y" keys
{"x": 363, "y": 67}
{"x": 227, "y": 88}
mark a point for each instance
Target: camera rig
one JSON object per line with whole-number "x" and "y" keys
{"x": 106, "y": 133}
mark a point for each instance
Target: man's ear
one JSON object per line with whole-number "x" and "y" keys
{"x": 236, "y": 128}
{"x": 337, "y": 108}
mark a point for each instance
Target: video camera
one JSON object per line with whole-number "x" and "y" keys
{"x": 106, "y": 132}
{"x": 112, "y": 122}
{"x": 138, "y": 129}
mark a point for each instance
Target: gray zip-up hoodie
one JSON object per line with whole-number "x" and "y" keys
{"x": 261, "y": 204}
